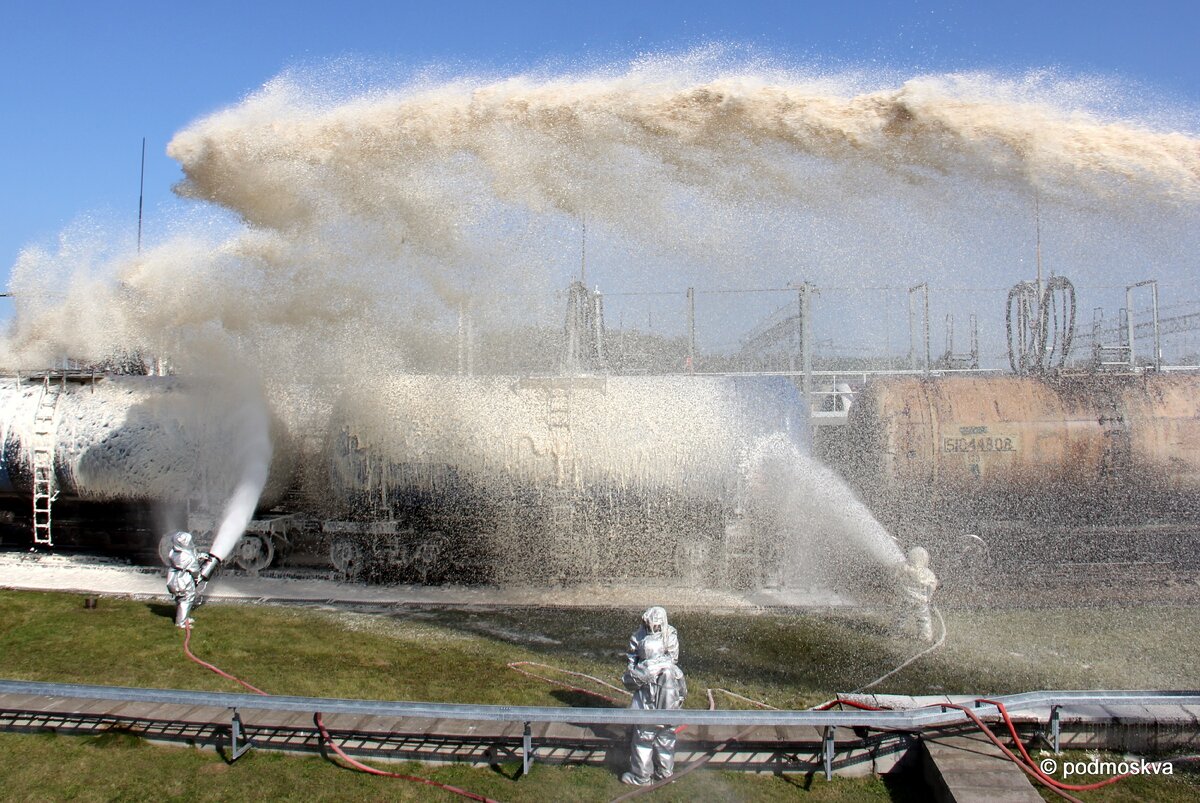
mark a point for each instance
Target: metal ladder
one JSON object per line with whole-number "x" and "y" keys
{"x": 558, "y": 422}
{"x": 558, "y": 408}
{"x": 44, "y": 490}
{"x": 1110, "y": 356}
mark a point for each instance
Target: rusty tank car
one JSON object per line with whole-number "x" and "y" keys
{"x": 961, "y": 451}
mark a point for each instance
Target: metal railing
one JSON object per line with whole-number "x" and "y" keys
{"x": 916, "y": 719}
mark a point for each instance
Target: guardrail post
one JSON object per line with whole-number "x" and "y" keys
{"x": 827, "y": 748}
{"x": 235, "y": 733}
{"x": 1054, "y": 728}
{"x": 526, "y": 750}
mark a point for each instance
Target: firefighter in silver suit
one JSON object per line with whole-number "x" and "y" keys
{"x": 917, "y": 583}
{"x": 181, "y": 577}
{"x": 654, "y": 620}
{"x": 657, "y": 683}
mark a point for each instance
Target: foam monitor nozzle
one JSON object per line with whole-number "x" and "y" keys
{"x": 208, "y": 567}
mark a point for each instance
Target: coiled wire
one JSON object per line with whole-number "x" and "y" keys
{"x": 1040, "y": 329}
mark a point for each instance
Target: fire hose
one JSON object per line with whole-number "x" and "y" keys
{"x": 940, "y": 641}
{"x": 1024, "y": 762}
{"x": 328, "y": 739}
{"x": 518, "y": 666}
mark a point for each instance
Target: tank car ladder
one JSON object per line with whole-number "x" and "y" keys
{"x": 558, "y": 423}
{"x": 559, "y": 500}
{"x": 558, "y": 408}
{"x": 44, "y": 490}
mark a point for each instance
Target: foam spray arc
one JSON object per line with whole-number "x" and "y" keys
{"x": 411, "y": 193}
{"x": 823, "y": 528}
{"x": 253, "y": 454}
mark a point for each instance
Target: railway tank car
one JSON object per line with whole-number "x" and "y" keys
{"x": 963, "y": 452}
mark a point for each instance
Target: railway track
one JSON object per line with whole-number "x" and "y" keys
{"x": 1060, "y": 566}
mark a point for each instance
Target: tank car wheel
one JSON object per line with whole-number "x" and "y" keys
{"x": 427, "y": 557}
{"x": 693, "y": 558}
{"x": 349, "y": 557}
{"x": 254, "y": 552}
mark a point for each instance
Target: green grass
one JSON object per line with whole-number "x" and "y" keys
{"x": 789, "y": 660}
{"x": 52, "y": 637}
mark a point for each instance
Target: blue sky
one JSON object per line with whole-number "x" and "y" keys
{"x": 82, "y": 83}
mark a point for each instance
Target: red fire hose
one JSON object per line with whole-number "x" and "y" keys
{"x": 358, "y": 765}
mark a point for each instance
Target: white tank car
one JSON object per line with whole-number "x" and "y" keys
{"x": 470, "y": 478}
{"x": 131, "y": 439}
{"x": 558, "y": 478}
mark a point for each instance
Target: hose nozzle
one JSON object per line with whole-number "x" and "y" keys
{"x": 208, "y": 567}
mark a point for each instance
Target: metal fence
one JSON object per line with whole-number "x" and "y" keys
{"x": 927, "y": 326}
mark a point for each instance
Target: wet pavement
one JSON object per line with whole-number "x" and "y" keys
{"x": 108, "y": 576}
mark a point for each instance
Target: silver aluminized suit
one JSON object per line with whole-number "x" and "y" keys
{"x": 654, "y": 620}
{"x": 181, "y": 577}
{"x": 917, "y": 583}
{"x": 657, "y": 683}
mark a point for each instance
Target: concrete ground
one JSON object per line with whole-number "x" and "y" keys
{"x": 88, "y": 574}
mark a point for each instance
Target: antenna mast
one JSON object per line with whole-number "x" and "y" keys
{"x": 1037, "y": 224}
{"x": 583, "y": 252}
{"x": 141, "y": 193}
